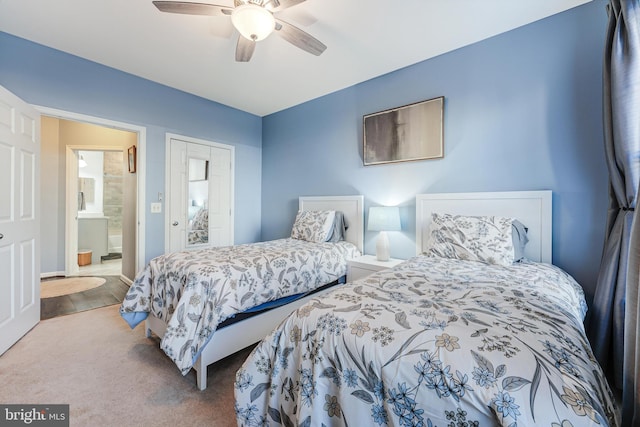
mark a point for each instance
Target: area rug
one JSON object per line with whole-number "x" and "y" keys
{"x": 69, "y": 285}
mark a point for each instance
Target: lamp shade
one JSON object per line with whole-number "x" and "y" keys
{"x": 253, "y": 22}
{"x": 384, "y": 218}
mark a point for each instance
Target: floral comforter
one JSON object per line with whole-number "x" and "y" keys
{"x": 432, "y": 342}
{"x": 194, "y": 291}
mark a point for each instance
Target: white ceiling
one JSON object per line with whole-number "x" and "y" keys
{"x": 364, "y": 38}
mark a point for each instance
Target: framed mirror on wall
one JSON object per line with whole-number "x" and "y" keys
{"x": 132, "y": 159}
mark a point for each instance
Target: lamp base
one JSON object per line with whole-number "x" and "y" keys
{"x": 382, "y": 247}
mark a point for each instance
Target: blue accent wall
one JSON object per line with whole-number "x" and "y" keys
{"x": 523, "y": 111}
{"x": 50, "y": 78}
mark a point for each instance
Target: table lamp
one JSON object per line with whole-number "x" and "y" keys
{"x": 383, "y": 219}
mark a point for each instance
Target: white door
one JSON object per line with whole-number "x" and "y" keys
{"x": 177, "y": 196}
{"x": 19, "y": 218}
{"x": 220, "y": 197}
{"x": 199, "y": 194}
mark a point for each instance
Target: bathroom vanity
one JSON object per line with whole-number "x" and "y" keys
{"x": 93, "y": 235}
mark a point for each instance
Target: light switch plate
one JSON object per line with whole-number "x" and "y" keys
{"x": 156, "y": 207}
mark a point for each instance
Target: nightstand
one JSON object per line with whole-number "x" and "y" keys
{"x": 364, "y": 265}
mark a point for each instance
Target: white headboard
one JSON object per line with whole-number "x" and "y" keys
{"x": 532, "y": 208}
{"x": 351, "y": 206}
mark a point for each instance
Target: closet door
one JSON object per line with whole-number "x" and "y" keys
{"x": 220, "y": 197}
{"x": 199, "y": 195}
{"x": 177, "y": 196}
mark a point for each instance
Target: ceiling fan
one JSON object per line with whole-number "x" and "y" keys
{"x": 254, "y": 20}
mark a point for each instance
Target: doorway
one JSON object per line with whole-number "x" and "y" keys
{"x": 84, "y": 133}
{"x": 100, "y": 214}
{"x": 88, "y": 229}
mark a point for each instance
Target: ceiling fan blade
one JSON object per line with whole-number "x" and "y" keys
{"x": 244, "y": 49}
{"x": 278, "y": 5}
{"x": 188, "y": 8}
{"x": 299, "y": 38}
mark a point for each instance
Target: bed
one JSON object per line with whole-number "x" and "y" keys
{"x": 477, "y": 329}
{"x": 198, "y": 231}
{"x": 207, "y": 304}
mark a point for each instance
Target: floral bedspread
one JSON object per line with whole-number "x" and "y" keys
{"x": 194, "y": 291}
{"x": 432, "y": 342}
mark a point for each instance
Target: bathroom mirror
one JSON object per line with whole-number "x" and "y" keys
{"x": 87, "y": 187}
{"x": 198, "y": 202}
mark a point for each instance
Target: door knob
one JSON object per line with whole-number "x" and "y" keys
{"x": 175, "y": 223}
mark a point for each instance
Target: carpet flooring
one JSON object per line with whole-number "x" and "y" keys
{"x": 111, "y": 292}
{"x": 111, "y": 375}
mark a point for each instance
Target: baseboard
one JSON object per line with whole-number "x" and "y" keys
{"x": 52, "y": 274}
{"x": 126, "y": 280}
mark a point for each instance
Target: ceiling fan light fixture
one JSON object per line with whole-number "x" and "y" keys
{"x": 253, "y": 22}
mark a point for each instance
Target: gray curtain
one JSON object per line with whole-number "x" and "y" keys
{"x": 631, "y": 378}
{"x": 613, "y": 329}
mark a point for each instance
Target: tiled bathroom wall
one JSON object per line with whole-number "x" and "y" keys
{"x": 112, "y": 193}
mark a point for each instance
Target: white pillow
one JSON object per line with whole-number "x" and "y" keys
{"x": 313, "y": 226}
{"x": 476, "y": 238}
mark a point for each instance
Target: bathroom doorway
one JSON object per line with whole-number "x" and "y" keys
{"x": 100, "y": 211}
{"x": 88, "y": 231}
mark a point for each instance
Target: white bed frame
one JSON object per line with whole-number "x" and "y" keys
{"x": 246, "y": 332}
{"x": 532, "y": 208}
